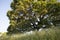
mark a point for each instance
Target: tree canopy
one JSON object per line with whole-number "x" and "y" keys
{"x": 29, "y": 15}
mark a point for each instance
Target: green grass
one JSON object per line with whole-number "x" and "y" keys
{"x": 45, "y": 34}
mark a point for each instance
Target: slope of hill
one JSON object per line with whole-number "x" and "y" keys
{"x": 45, "y": 34}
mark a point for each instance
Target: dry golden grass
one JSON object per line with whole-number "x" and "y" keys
{"x": 45, "y": 34}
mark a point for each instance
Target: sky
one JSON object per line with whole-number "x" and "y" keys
{"x": 4, "y": 21}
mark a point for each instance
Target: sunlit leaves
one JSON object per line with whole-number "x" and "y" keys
{"x": 53, "y": 1}
{"x": 32, "y": 14}
{"x": 13, "y": 22}
{"x": 10, "y": 13}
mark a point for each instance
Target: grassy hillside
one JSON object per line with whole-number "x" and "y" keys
{"x": 45, "y": 34}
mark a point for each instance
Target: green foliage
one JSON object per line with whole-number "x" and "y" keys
{"x": 29, "y": 15}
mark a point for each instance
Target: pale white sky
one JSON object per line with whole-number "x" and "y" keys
{"x": 4, "y": 7}
{"x": 4, "y": 21}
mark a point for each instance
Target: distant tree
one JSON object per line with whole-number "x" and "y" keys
{"x": 29, "y": 15}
